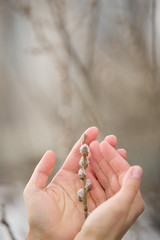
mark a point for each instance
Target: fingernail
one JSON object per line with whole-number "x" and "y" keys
{"x": 137, "y": 173}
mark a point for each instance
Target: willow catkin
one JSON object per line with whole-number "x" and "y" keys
{"x": 87, "y": 185}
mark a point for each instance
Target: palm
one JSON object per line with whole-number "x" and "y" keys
{"x": 62, "y": 195}
{"x": 57, "y": 207}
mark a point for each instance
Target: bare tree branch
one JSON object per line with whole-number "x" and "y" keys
{"x": 92, "y": 33}
{"x": 154, "y": 52}
{"x": 88, "y": 95}
{"x": 59, "y": 21}
{"x": 48, "y": 47}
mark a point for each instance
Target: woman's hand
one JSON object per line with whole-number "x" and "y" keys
{"x": 112, "y": 219}
{"x": 54, "y": 211}
{"x": 122, "y": 202}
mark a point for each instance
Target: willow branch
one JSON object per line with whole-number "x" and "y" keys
{"x": 87, "y": 185}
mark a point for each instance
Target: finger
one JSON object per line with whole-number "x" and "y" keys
{"x": 112, "y": 140}
{"x": 102, "y": 179}
{"x": 99, "y": 158}
{"x": 130, "y": 185}
{"x": 97, "y": 192}
{"x": 72, "y": 161}
{"x": 122, "y": 152}
{"x": 103, "y": 170}
{"x": 43, "y": 170}
{"x": 117, "y": 162}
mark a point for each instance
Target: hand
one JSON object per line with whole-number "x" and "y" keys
{"x": 120, "y": 182}
{"x": 54, "y": 211}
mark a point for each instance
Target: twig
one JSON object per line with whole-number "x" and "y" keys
{"x": 154, "y": 40}
{"x": 85, "y": 192}
{"x": 58, "y": 22}
{"x": 84, "y": 139}
{"x": 88, "y": 97}
{"x": 5, "y": 223}
{"x": 87, "y": 185}
{"x": 92, "y": 35}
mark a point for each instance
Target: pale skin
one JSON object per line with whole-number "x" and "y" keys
{"x": 54, "y": 211}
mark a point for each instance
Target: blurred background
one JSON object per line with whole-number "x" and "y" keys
{"x": 69, "y": 65}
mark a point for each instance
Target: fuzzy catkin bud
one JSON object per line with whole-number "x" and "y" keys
{"x": 82, "y": 173}
{"x": 80, "y": 195}
{"x": 86, "y": 209}
{"x": 81, "y": 162}
{"x": 88, "y": 185}
{"x": 84, "y": 150}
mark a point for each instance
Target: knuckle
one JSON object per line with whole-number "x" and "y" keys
{"x": 133, "y": 189}
{"x": 140, "y": 202}
{"x": 142, "y": 206}
{"x": 100, "y": 201}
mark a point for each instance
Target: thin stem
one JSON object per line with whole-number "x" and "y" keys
{"x": 84, "y": 138}
{"x": 85, "y": 192}
{"x": 154, "y": 41}
{"x": 84, "y": 184}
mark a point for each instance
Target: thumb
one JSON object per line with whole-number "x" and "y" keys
{"x": 43, "y": 170}
{"x": 131, "y": 184}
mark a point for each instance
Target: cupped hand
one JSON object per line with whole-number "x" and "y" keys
{"x": 112, "y": 219}
{"x": 53, "y": 211}
{"x": 109, "y": 167}
{"x": 119, "y": 199}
